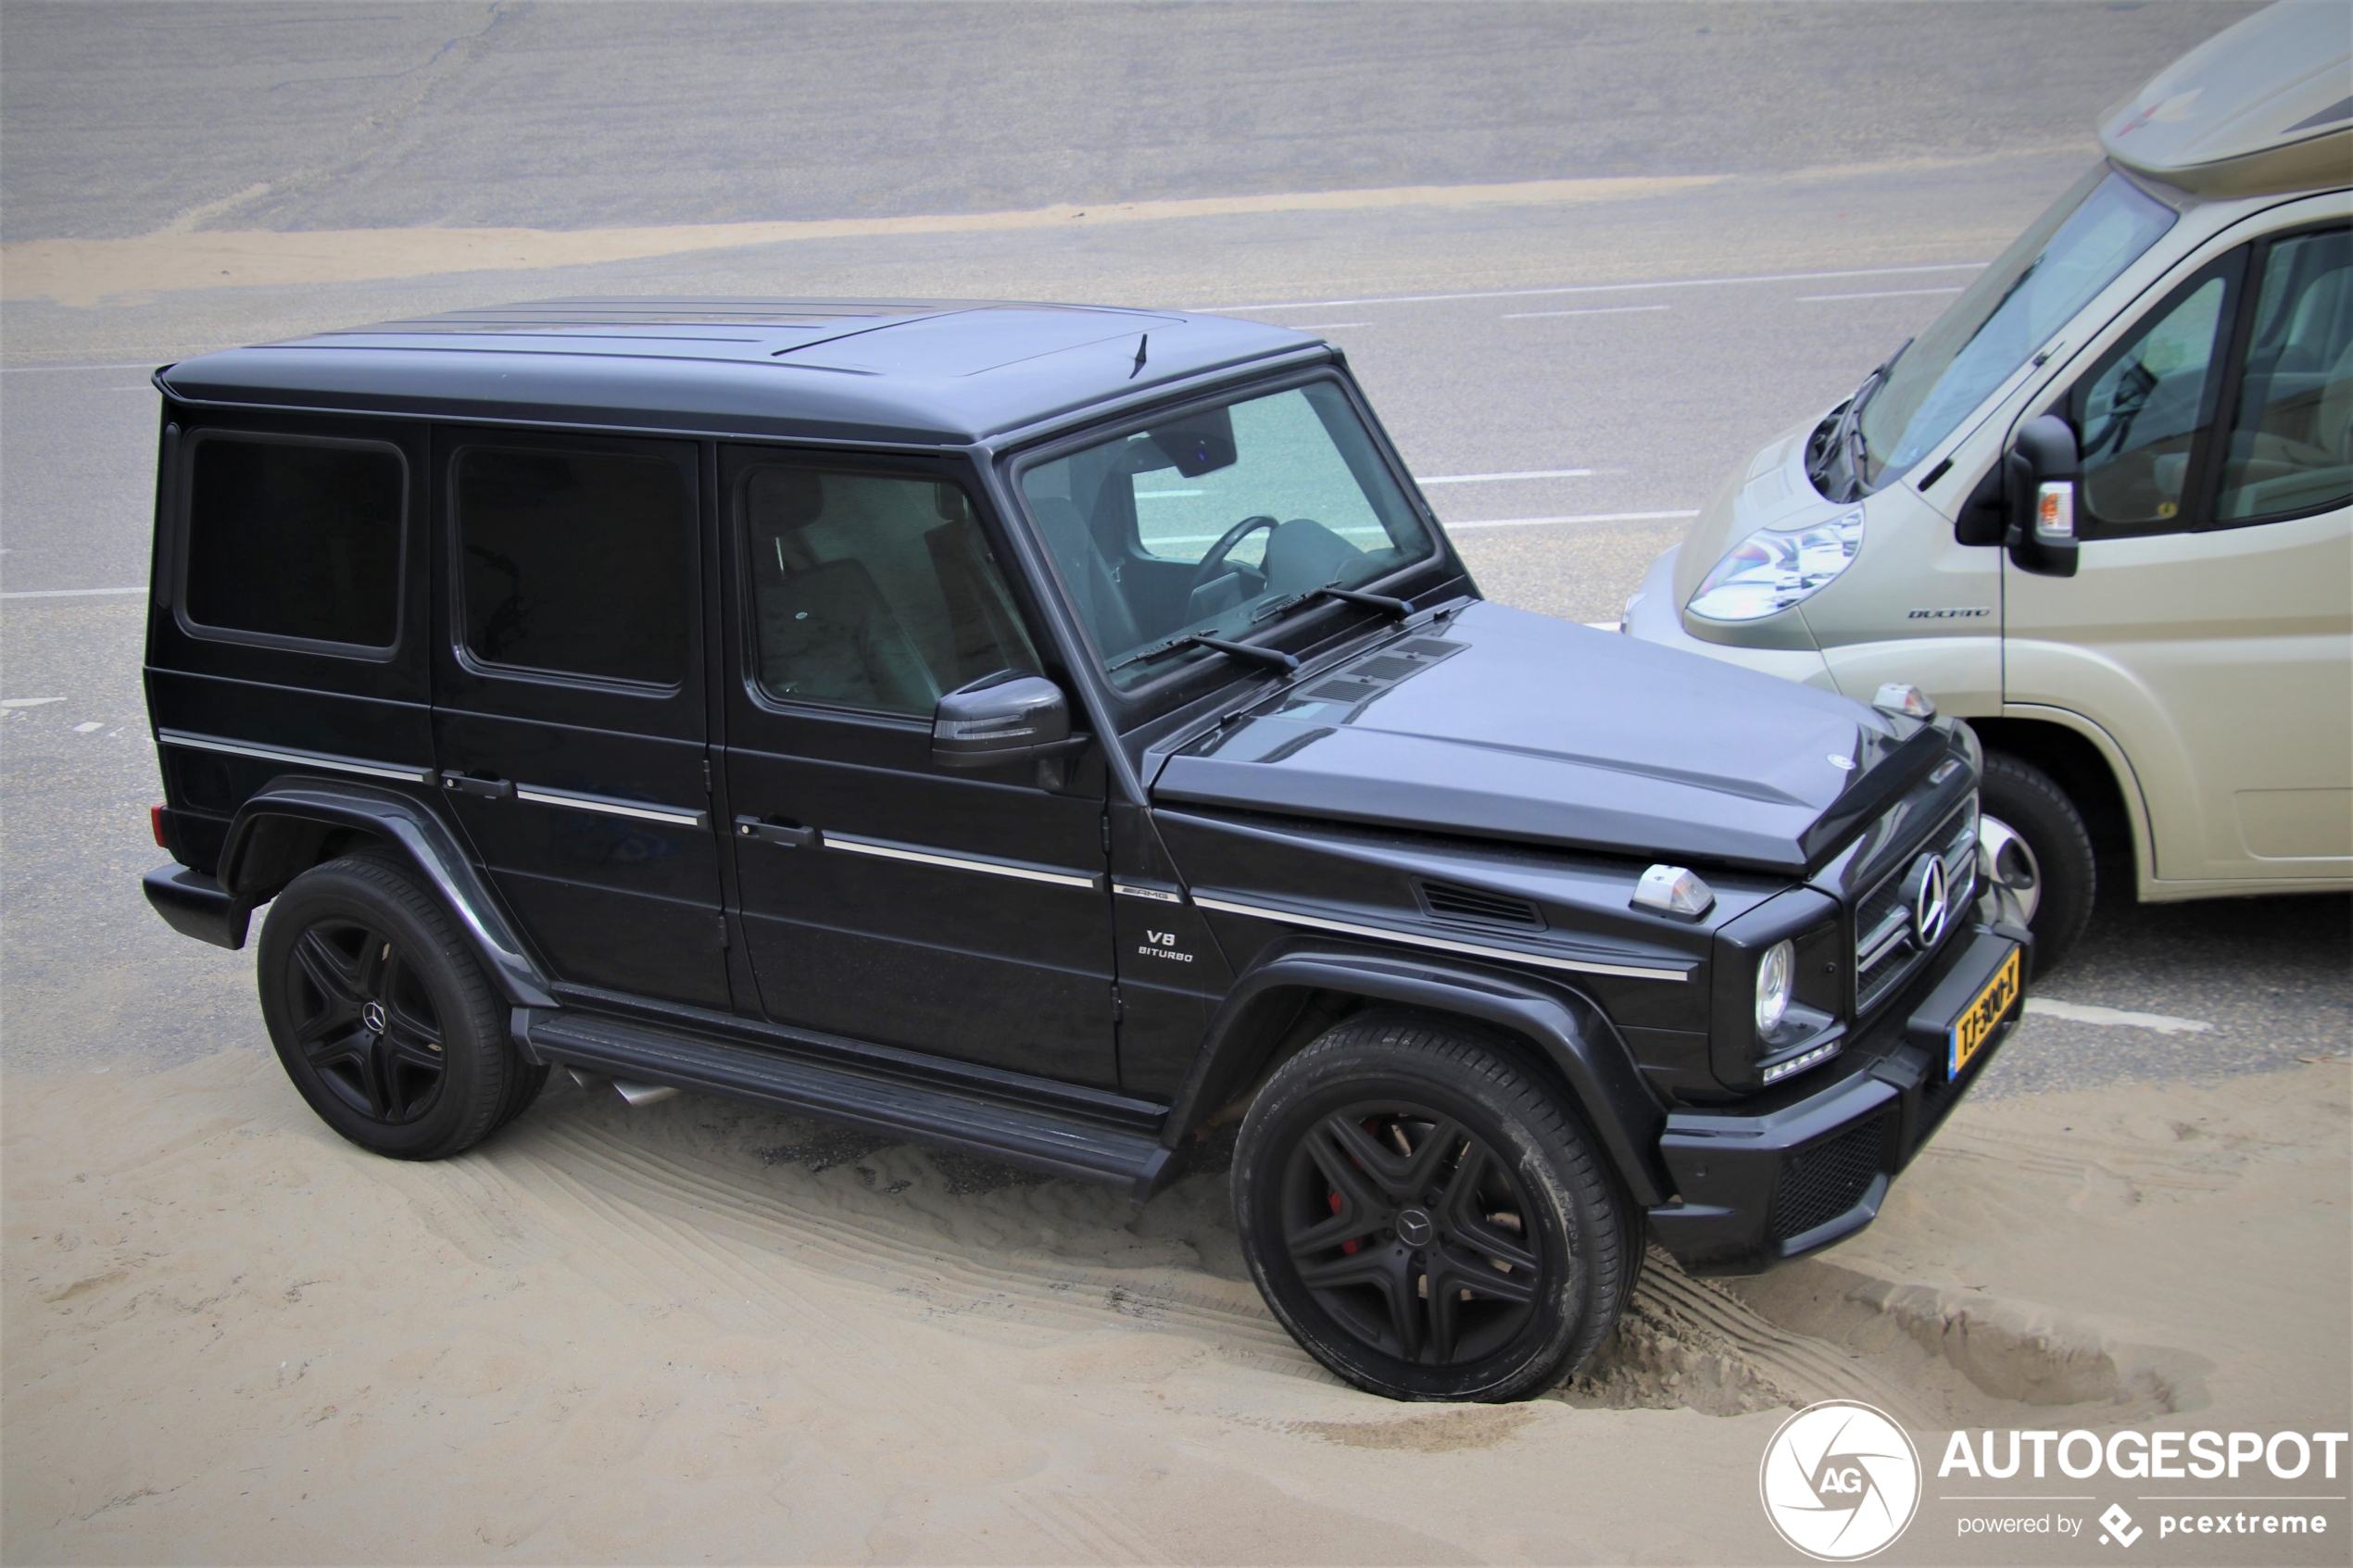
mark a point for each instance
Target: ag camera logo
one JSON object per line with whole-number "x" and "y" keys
{"x": 1839, "y": 1481}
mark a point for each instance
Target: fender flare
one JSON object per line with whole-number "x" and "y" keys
{"x": 416, "y": 834}
{"x": 1571, "y": 1032}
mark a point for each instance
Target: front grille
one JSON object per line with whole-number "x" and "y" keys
{"x": 1818, "y": 1184}
{"x": 1449, "y": 902}
{"x": 1885, "y": 952}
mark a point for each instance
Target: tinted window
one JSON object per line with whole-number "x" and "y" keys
{"x": 874, "y": 590}
{"x": 2145, "y": 411}
{"x": 292, "y": 539}
{"x": 2291, "y": 447}
{"x": 575, "y": 562}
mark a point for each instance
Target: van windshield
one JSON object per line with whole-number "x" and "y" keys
{"x": 2051, "y": 272}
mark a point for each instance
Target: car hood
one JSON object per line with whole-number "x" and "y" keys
{"x": 1500, "y": 723}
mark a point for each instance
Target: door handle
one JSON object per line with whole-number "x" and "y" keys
{"x": 486, "y": 789}
{"x": 787, "y": 836}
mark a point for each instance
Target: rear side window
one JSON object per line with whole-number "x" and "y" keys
{"x": 296, "y": 539}
{"x": 575, "y": 563}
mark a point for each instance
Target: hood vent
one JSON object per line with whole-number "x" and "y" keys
{"x": 1449, "y": 902}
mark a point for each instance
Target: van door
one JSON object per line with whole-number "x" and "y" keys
{"x": 886, "y": 899}
{"x": 569, "y": 701}
{"x": 2208, "y": 628}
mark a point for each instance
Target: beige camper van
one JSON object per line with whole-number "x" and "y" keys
{"x": 2100, "y": 508}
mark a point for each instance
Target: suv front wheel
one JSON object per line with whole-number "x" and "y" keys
{"x": 382, "y": 1016}
{"x": 1426, "y": 1217}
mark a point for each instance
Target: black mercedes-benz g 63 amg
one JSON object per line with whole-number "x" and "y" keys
{"x": 1047, "y": 732}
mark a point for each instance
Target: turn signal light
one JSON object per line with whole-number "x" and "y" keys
{"x": 154, "y": 822}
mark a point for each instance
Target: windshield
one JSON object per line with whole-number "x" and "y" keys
{"x": 2051, "y": 272}
{"x": 1212, "y": 522}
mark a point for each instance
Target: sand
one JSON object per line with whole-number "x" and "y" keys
{"x": 184, "y": 255}
{"x": 699, "y": 1331}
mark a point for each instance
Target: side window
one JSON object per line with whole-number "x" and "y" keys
{"x": 874, "y": 591}
{"x": 2292, "y": 442}
{"x": 2143, "y": 414}
{"x": 295, "y": 539}
{"x": 575, "y": 562}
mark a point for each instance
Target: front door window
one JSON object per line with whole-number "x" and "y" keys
{"x": 2291, "y": 444}
{"x": 2146, "y": 412}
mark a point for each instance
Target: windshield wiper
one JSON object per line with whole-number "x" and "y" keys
{"x": 1275, "y": 658}
{"x": 1396, "y": 607}
{"x": 1845, "y": 445}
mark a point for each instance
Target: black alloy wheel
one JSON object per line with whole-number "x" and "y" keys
{"x": 1426, "y": 1215}
{"x": 382, "y": 1017}
{"x": 1410, "y": 1232}
{"x": 365, "y": 1024}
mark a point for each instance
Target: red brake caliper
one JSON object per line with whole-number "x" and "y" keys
{"x": 1345, "y": 1245}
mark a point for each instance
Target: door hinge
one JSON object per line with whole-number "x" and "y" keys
{"x": 1107, "y": 835}
{"x": 1118, "y": 1006}
{"x": 723, "y": 934}
{"x": 706, "y": 775}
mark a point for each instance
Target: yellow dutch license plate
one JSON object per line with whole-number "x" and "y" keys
{"x": 1975, "y": 1025}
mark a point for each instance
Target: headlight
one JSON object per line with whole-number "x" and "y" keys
{"x": 1770, "y": 571}
{"x": 1772, "y": 986}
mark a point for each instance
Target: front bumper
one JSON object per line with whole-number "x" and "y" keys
{"x": 1759, "y": 1187}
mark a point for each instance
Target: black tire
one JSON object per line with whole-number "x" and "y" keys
{"x": 1423, "y": 1140}
{"x": 382, "y": 1018}
{"x": 2058, "y": 869}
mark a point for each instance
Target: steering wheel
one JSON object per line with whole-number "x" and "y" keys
{"x": 1213, "y": 564}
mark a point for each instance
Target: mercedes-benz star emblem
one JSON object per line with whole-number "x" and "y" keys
{"x": 1930, "y": 903}
{"x": 373, "y": 1015}
{"x": 1415, "y": 1228}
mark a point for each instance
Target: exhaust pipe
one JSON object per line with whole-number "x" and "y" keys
{"x": 632, "y": 1094}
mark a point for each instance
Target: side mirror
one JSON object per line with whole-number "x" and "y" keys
{"x": 1007, "y": 716}
{"x": 2042, "y": 470}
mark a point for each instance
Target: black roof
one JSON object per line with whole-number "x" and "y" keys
{"x": 928, "y": 371}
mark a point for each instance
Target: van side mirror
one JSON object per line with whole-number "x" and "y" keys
{"x": 1007, "y": 717}
{"x": 2042, "y": 472}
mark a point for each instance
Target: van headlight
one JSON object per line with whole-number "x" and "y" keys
{"x": 1771, "y": 571}
{"x": 1773, "y": 977}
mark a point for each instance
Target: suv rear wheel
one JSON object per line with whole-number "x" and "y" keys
{"x": 1426, "y": 1217}
{"x": 382, "y": 1018}
{"x": 2033, "y": 842}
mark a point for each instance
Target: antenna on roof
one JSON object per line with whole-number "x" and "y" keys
{"x": 1141, "y": 343}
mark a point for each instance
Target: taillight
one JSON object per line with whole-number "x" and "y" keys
{"x": 155, "y": 821}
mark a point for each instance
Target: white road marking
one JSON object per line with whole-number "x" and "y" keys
{"x": 1590, "y": 517}
{"x": 27, "y": 701}
{"x": 1602, "y": 288}
{"x": 1884, "y": 294}
{"x": 1589, "y": 311}
{"x": 1491, "y": 478}
{"x": 2084, "y": 1012}
{"x": 68, "y": 592}
{"x": 87, "y": 728}
{"x": 1327, "y": 326}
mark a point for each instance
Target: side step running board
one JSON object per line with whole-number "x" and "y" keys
{"x": 1040, "y": 1140}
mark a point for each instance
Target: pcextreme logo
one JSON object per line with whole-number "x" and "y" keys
{"x": 1839, "y": 1481}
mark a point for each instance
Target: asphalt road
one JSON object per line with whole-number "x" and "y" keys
{"x": 1628, "y": 351}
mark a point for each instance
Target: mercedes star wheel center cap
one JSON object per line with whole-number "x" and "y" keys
{"x": 373, "y": 1015}
{"x": 1930, "y": 905}
{"x": 1415, "y": 1228}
